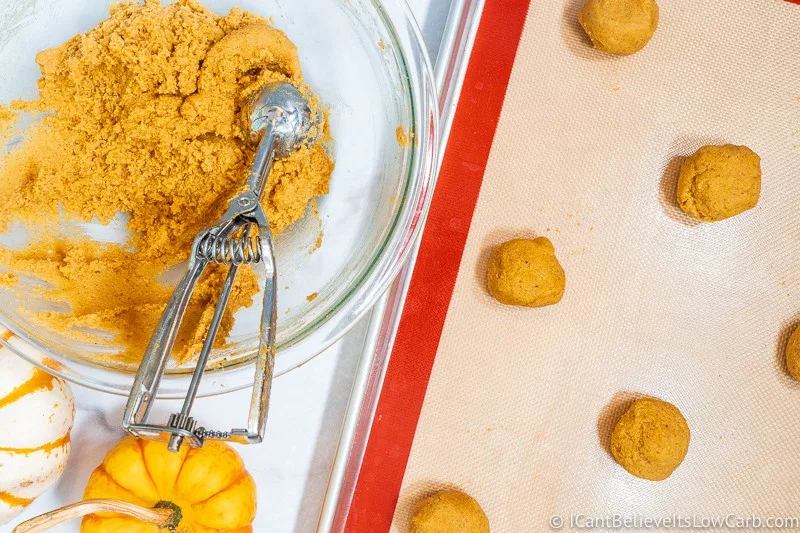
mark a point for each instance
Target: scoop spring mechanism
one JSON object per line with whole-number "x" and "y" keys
{"x": 242, "y": 250}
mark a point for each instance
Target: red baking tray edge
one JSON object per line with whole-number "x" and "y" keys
{"x": 436, "y": 268}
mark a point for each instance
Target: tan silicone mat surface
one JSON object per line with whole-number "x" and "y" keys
{"x": 521, "y": 401}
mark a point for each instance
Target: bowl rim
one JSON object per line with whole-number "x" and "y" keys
{"x": 352, "y": 306}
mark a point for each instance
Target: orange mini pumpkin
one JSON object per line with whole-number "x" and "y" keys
{"x": 209, "y": 486}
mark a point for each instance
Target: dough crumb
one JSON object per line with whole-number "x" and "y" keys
{"x": 619, "y": 27}
{"x": 8, "y": 280}
{"x": 526, "y": 272}
{"x": 651, "y": 439}
{"x": 403, "y": 139}
{"x": 718, "y": 182}
{"x": 318, "y": 241}
{"x": 8, "y": 119}
{"x": 448, "y": 511}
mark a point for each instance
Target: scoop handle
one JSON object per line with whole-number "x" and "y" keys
{"x": 148, "y": 377}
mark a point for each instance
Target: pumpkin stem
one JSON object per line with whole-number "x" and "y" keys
{"x": 165, "y": 515}
{"x": 177, "y": 514}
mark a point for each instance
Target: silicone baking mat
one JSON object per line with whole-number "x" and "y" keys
{"x": 520, "y": 402}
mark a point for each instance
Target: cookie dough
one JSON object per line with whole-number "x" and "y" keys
{"x": 718, "y": 182}
{"x": 107, "y": 289}
{"x": 449, "y": 511}
{"x": 526, "y": 272}
{"x": 651, "y": 439}
{"x": 619, "y": 27}
{"x": 142, "y": 118}
{"x": 793, "y": 354}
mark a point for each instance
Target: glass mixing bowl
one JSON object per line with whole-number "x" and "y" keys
{"x": 366, "y": 60}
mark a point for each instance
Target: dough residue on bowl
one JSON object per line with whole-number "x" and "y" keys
{"x": 403, "y": 139}
{"x": 8, "y": 119}
{"x": 141, "y": 116}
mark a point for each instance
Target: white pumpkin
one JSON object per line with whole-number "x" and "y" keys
{"x": 36, "y": 415}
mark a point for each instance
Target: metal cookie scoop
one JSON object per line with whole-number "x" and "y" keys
{"x": 279, "y": 121}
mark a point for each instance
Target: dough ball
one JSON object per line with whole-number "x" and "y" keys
{"x": 651, "y": 439}
{"x": 718, "y": 182}
{"x": 619, "y": 27}
{"x": 793, "y": 354}
{"x": 449, "y": 511}
{"x": 526, "y": 272}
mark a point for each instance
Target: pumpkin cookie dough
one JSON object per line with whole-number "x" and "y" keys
{"x": 526, "y": 272}
{"x": 448, "y": 511}
{"x": 619, "y": 27}
{"x": 107, "y": 289}
{"x": 793, "y": 354}
{"x": 651, "y": 439}
{"x": 718, "y": 182}
{"x": 141, "y": 116}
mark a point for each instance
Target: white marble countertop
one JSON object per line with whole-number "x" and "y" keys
{"x": 292, "y": 466}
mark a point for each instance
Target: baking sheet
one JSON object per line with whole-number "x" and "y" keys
{"x": 454, "y": 51}
{"x": 521, "y": 401}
